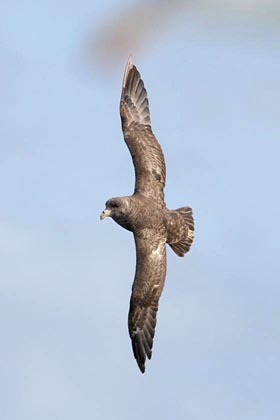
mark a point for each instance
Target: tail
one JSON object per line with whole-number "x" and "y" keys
{"x": 183, "y": 246}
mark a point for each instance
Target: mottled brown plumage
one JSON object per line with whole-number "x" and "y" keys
{"x": 146, "y": 215}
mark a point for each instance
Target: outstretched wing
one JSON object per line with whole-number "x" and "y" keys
{"x": 145, "y": 150}
{"x": 146, "y": 290}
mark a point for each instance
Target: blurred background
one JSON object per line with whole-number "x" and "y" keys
{"x": 212, "y": 71}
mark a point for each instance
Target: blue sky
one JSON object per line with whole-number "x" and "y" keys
{"x": 212, "y": 75}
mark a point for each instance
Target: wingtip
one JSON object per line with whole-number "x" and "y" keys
{"x": 141, "y": 367}
{"x": 129, "y": 65}
{"x": 129, "y": 60}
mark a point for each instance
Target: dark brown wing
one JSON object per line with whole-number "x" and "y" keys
{"x": 145, "y": 150}
{"x": 146, "y": 290}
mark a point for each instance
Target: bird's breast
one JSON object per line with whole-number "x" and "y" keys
{"x": 125, "y": 222}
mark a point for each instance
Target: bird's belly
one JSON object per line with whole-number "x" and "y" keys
{"x": 152, "y": 219}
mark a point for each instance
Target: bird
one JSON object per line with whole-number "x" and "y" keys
{"x": 144, "y": 213}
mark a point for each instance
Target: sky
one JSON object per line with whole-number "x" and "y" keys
{"x": 212, "y": 72}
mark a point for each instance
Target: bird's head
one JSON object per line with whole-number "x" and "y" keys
{"x": 117, "y": 208}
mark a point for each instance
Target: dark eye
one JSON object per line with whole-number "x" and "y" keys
{"x": 114, "y": 205}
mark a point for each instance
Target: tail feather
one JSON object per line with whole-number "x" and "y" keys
{"x": 183, "y": 246}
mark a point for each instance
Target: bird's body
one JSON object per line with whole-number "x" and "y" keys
{"x": 146, "y": 215}
{"x": 140, "y": 209}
